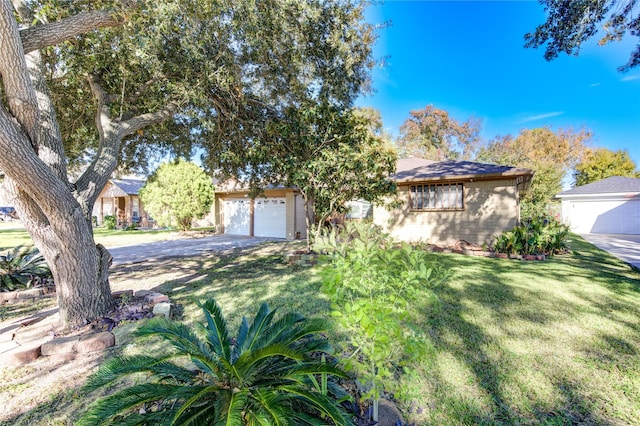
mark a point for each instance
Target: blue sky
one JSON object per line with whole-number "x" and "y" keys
{"x": 468, "y": 58}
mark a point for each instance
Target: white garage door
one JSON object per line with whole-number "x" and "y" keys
{"x": 236, "y": 216}
{"x": 270, "y": 217}
{"x": 605, "y": 217}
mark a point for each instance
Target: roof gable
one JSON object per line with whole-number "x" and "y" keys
{"x": 610, "y": 185}
{"x": 122, "y": 187}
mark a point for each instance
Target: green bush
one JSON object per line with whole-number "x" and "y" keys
{"x": 21, "y": 268}
{"x": 267, "y": 375}
{"x": 374, "y": 285}
{"x": 110, "y": 222}
{"x": 543, "y": 234}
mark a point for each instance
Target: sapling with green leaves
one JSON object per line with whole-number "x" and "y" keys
{"x": 373, "y": 283}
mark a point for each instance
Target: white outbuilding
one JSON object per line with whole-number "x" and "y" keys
{"x": 608, "y": 206}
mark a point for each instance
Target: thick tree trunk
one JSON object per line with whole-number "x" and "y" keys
{"x": 55, "y": 212}
{"x": 80, "y": 268}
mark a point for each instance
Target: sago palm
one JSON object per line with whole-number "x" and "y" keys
{"x": 267, "y": 375}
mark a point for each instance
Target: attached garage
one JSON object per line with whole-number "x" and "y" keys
{"x": 276, "y": 214}
{"x": 270, "y": 217}
{"x": 609, "y": 206}
{"x": 236, "y": 216}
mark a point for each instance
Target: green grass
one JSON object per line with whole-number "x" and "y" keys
{"x": 516, "y": 343}
{"x": 12, "y": 237}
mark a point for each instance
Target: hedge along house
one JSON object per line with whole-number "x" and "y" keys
{"x": 443, "y": 202}
{"x": 277, "y": 213}
{"x": 608, "y": 206}
{"x": 120, "y": 198}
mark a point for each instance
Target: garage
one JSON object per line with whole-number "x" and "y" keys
{"x": 609, "y": 206}
{"x": 269, "y": 217}
{"x": 236, "y": 215}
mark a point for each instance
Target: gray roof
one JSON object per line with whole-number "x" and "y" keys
{"x": 610, "y": 185}
{"x": 129, "y": 186}
{"x": 413, "y": 169}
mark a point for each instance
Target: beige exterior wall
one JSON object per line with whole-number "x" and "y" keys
{"x": 491, "y": 207}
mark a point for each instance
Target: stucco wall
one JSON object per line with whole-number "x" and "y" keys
{"x": 491, "y": 207}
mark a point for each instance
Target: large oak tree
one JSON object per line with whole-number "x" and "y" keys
{"x": 572, "y": 22}
{"x": 92, "y": 86}
{"x": 433, "y": 134}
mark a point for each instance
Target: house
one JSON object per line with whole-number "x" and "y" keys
{"x": 279, "y": 212}
{"x": 120, "y": 198}
{"x": 608, "y": 206}
{"x": 446, "y": 201}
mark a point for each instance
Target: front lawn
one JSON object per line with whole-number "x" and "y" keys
{"x": 512, "y": 342}
{"x": 12, "y": 237}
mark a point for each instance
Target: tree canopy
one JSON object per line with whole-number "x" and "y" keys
{"x": 570, "y": 23}
{"x": 601, "y": 163}
{"x": 177, "y": 191}
{"x": 113, "y": 84}
{"x": 550, "y": 154}
{"x": 433, "y": 134}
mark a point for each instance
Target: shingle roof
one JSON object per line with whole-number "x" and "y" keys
{"x": 410, "y": 169}
{"x": 610, "y": 185}
{"x": 129, "y": 186}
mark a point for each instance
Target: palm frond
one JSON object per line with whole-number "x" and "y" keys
{"x": 279, "y": 331}
{"x": 179, "y": 335}
{"x": 128, "y": 398}
{"x": 191, "y": 413}
{"x": 325, "y": 405}
{"x": 249, "y": 361}
{"x": 217, "y": 333}
{"x": 261, "y": 321}
{"x": 116, "y": 368}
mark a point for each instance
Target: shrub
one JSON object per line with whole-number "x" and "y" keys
{"x": 374, "y": 285}
{"x": 110, "y": 222}
{"x": 538, "y": 235}
{"x": 265, "y": 375}
{"x": 21, "y": 268}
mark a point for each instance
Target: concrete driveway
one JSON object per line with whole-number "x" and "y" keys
{"x": 623, "y": 246}
{"x": 182, "y": 247}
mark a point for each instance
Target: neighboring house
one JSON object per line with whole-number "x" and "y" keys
{"x": 278, "y": 213}
{"x": 608, "y": 206}
{"x": 120, "y": 198}
{"x": 443, "y": 202}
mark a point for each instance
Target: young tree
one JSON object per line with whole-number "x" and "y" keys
{"x": 179, "y": 191}
{"x": 334, "y": 157}
{"x": 433, "y": 134}
{"x": 157, "y": 77}
{"x": 551, "y": 155}
{"x": 601, "y": 163}
{"x": 570, "y": 23}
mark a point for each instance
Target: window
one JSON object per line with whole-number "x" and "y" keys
{"x": 135, "y": 207}
{"x": 441, "y": 196}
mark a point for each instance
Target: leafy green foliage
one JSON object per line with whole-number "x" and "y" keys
{"x": 570, "y": 23}
{"x": 110, "y": 222}
{"x": 538, "y": 235}
{"x": 551, "y": 155}
{"x": 373, "y": 285}
{"x": 331, "y": 155}
{"x": 265, "y": 375}
{"x": 433, "y": 134}
{"x": 602, "y": 163}
{"x": 21, "y": 267}
{"x": 177, "y": 191}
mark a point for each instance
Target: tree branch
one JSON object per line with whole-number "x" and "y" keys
{"x": 20, "y": 93}
{"x": 39, "y": 36}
